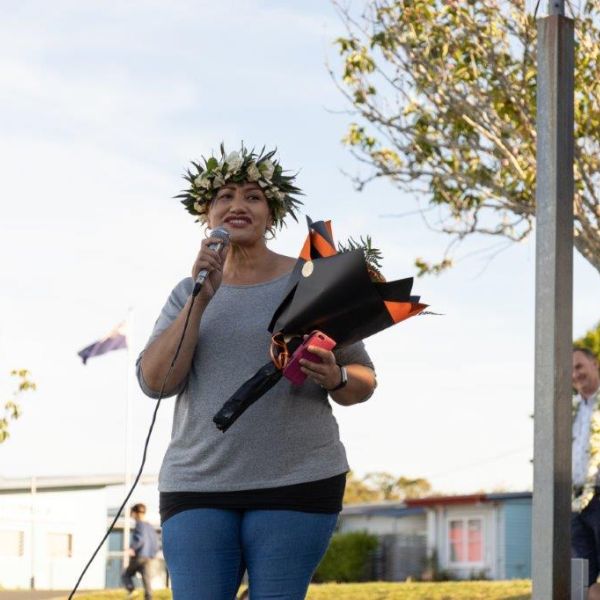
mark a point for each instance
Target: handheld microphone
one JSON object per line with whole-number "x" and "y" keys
{"x": 223, "y": 235}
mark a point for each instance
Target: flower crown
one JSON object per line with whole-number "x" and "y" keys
{"x": 239, "y": 167}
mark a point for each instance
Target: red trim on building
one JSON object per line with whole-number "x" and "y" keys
{"x": 447, "y": 500}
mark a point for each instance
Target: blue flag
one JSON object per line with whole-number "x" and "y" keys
{"x": 115, "y": 340}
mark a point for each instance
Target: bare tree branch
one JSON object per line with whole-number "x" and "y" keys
{"x": 444, "y": 106}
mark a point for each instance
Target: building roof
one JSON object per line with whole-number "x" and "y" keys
{"x": 65, "y": 482}
{"x": 446, "y": 500}
{"x": 394, "y": 508}
{"x": 468, "y": 499}
{"x": 509, "y": 496}
{"x": 382, "y": 511}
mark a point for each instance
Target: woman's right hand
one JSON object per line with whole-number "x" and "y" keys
{"x": 213, "y": 262}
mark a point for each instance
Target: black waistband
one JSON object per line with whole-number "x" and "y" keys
{"x": 321, "y": 496}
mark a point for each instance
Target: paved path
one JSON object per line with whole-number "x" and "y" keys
{"x": 33, "y": 594}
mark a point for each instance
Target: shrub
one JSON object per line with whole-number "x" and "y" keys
{"x": 348, "y": 558}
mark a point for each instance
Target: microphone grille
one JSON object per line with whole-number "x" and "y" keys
{"x": 221, "y": 233}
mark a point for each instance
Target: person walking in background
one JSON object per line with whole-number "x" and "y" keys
{"x": 142, "y": 549}
{"x": 585, "y": 523}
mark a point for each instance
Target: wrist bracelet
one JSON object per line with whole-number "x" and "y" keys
{"x": 344, "y": 380}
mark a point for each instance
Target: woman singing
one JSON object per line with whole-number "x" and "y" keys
{"x": 263, "y": 497}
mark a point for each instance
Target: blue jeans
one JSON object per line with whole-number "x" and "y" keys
{"x": 207, "y": 551}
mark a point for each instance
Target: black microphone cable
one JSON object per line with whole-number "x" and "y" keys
{"x": 139, "y": 474}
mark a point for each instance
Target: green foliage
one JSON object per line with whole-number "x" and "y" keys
{"x": 373, "y": 256}
{"x": 380, "y": 486}
{"x": 425, "y": 268}
{"x": 455, "y": 590}
{"x": 434, "y": 572}
{"x": 357, "y": 491}
{"x": 591, "y": 340}
{"x": 444, "y": 94}
{"x": 12, "y": 409}
{"x": 398, "y": 488}
{"x": 348, "y": 558}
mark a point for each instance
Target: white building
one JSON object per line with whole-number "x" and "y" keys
{"x": 50, "y": 526}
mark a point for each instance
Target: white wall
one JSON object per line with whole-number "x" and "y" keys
{"x": 383, "y": 525}
{"x": 81, "y": 513}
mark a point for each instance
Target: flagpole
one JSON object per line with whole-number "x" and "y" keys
{"x": 128, "y": 433}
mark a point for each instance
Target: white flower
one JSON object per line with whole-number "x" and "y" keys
{"x": 267, "y": 168}
{"x": 198, "y": 206}
{"x": 234, "y": 161}
{"x": 218, "y": 181}
{"x": 202, "y": 181}
{"x": 280, "y": 195}
{"x": 252, "y": 172}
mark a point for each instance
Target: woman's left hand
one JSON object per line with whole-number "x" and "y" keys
{"x": 327, "y": 373}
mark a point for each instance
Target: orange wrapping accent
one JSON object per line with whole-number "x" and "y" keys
{"x": 322, "y": 246}
{"x": 316, "y": 241}
{"x": 305, "y": 252}
{"x": 399, "y": 311}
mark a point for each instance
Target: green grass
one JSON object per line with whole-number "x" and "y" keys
{"x": 451, "y": 590}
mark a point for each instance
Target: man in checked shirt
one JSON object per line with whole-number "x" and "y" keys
{"x": 585, "y": 524}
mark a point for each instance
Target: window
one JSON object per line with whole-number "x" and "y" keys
{"x": 465, "y": 540}
{"x": 115, "y": 540}
{"x": 60, "y": 545}
{"x": 11, "y": 543}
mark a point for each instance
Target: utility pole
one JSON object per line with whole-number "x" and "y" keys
{"x": 551, "y": 566}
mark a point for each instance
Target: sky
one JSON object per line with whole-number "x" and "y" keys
{"x": 102, "y": 106}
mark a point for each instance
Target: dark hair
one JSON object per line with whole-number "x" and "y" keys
{"x": 586, "y": 351}
{"x": 138, "y": 508}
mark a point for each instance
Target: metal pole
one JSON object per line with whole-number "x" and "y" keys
{"x": 556, "y": 7}
{"x": 554, "y": 299}
{"x": 579, "y": 578}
